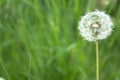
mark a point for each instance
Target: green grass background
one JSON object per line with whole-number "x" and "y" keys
{"x": 39, "y": 40}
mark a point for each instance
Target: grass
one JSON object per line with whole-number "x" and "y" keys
{"x": 39, "y": 40}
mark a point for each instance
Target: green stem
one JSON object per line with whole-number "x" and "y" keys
{"x": 97, "y": 61}
{"x": 29, "y": 67}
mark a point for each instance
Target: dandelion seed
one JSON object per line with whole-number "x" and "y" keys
{"x": 95, "y": 26}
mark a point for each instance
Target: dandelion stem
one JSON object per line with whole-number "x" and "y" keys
{"x": 97, "y": 61}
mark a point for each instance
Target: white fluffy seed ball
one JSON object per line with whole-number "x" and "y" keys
{"x": 95, "y": 26}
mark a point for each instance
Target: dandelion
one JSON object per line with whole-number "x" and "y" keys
{"x": 95, "y": 26}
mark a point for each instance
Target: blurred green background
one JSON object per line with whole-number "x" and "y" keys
{"x": 39, "y": 40}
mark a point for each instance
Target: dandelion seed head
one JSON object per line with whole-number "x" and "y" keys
{"x": 95, "y": 26}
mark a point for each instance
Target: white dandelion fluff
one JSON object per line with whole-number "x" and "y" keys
{"x": 95, "y": 26}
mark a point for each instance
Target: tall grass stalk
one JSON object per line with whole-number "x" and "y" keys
{"x": 29, "y": 67}
{"x": 4, "y": 69}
